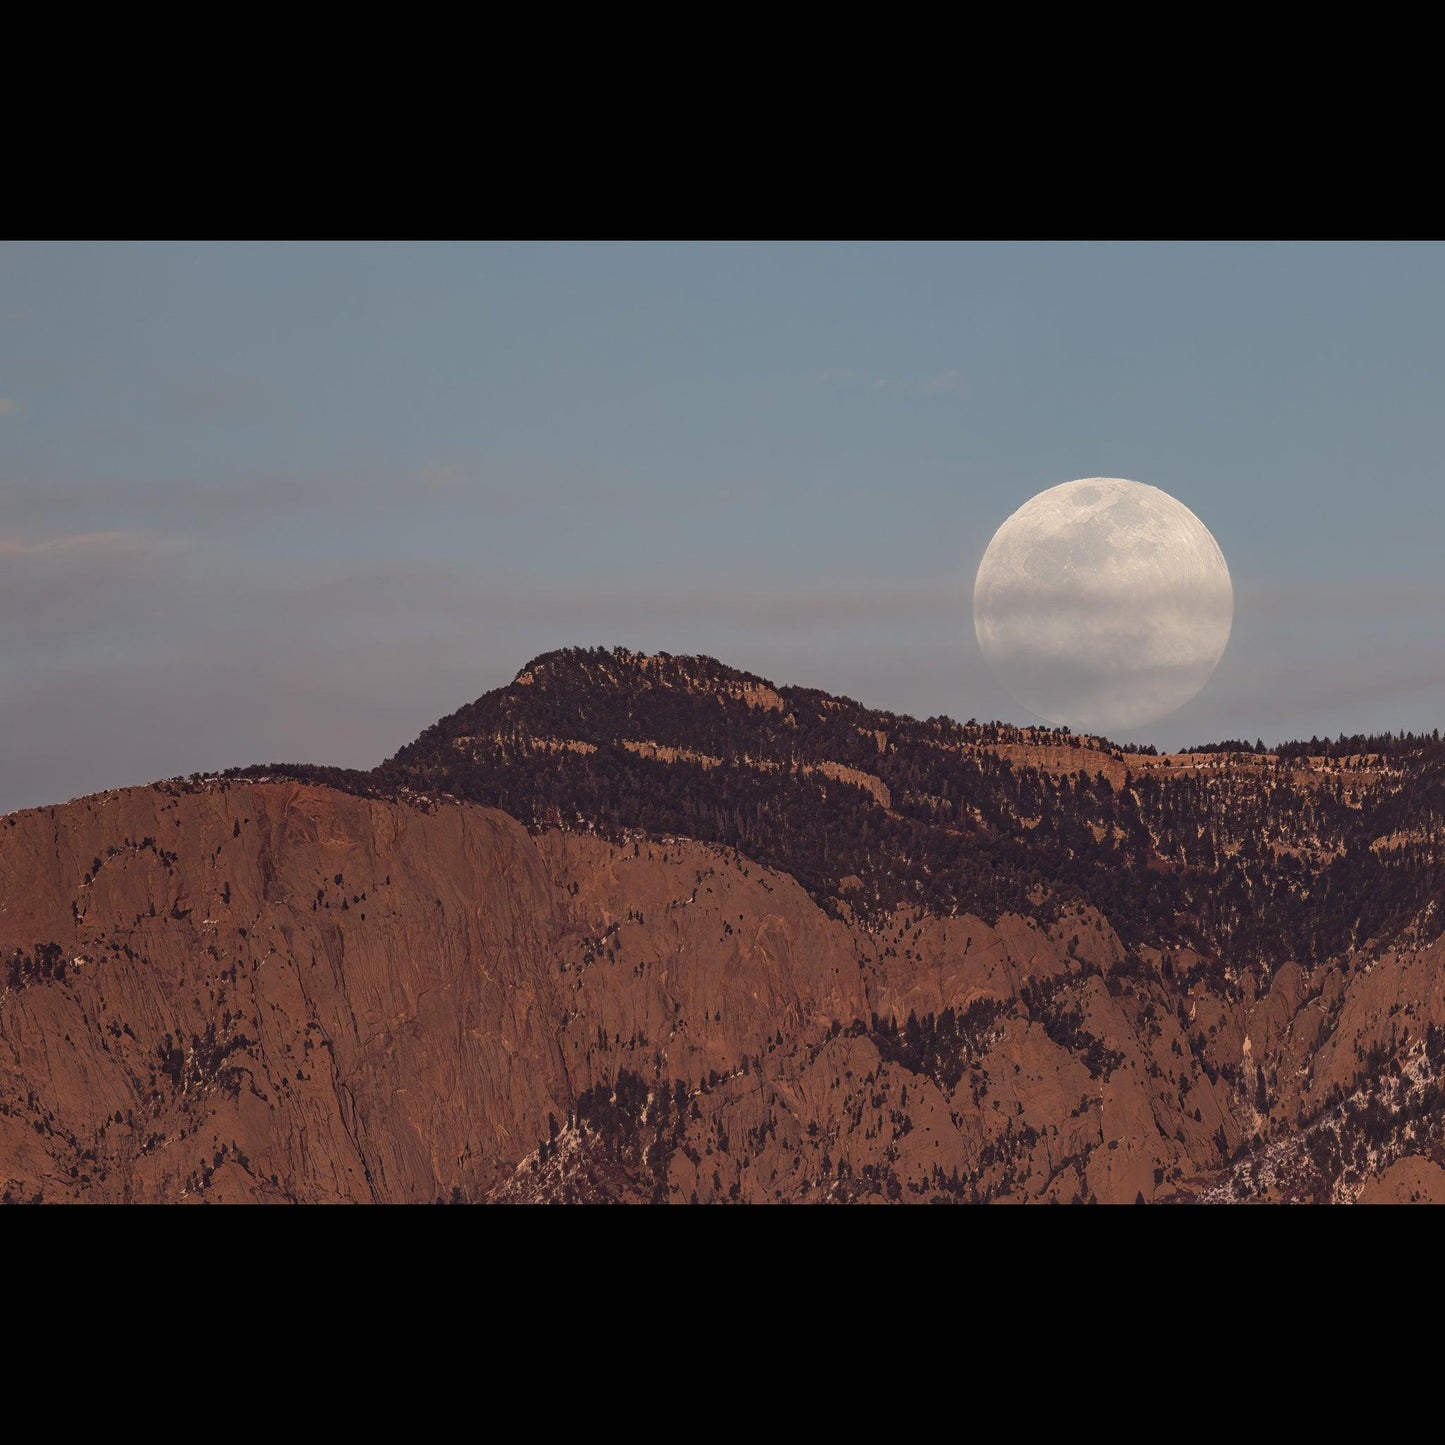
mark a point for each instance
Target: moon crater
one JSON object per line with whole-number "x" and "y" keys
{"x": 1103, "y": 604}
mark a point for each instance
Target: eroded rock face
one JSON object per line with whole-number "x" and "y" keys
{"x": 1412, "y": 1180}
{"x": 275, "y": 991}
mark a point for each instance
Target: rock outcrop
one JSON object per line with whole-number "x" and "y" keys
{"x": 276, "y": 991}
{"x": 651, "y": 929}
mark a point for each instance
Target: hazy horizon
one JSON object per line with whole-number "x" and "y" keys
{"x": 292, "y": 502}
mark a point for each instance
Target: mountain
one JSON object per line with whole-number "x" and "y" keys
{"x": 647, "y": 928}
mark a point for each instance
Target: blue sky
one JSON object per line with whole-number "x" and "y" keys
{"x": 294, "y": 501}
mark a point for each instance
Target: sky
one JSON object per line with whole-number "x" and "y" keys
{"x": 292, "y": 502}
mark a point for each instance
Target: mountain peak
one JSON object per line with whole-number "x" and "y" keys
{"x": 726, "y": 940}
{"x": 620, "y": 668}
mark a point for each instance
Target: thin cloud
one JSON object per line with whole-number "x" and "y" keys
{"x": 518, "y": 489}
{"x": 395, "y": 591}
{"x": 1302, "y": 689}
{"x": 68, "y": 601}
{"x": 940, "y": 385}
{"x": 8, "y": 406}
{"x": 1358, "y": 600}
{"x": 52, "y": 502}
{"x": 87, "y": 544}
{"x": 438, "y": 478}
{"x": 803, "y": 608}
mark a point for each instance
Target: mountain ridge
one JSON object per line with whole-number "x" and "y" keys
{"x": 599, "y": 738}
{"x": 647, "y": 929}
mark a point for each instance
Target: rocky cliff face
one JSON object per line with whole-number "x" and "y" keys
{"x": 271, "y": 992}
{"x": 238, "y": 991}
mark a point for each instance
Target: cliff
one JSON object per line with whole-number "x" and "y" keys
{"x": 236, "y": 991}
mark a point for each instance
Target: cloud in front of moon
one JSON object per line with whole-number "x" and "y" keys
{"x": 1103, "y": 604}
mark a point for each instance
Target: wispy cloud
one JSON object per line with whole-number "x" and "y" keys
{"x": 342, "y": 497}
{"x": 67, "y": 600}
{"x": 118, "y": 545}
{"x": 8, "y": 406}
{"x": 940, "y": 385}
{"x": 1359, "y": 599}
{"x": 447, "y": 591}
{"x": 438, "y": 478}
{"x": 1300, "y": 687}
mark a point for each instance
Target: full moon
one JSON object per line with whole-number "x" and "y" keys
{"x": 1103, "y": 604}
